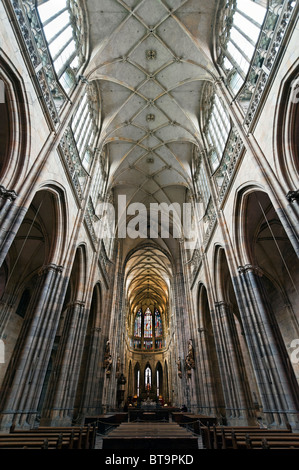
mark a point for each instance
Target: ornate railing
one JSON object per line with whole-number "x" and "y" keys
{"x": 231, "y": 155}
{"x": 71, "y": 157}
{"x": 90, "y": 218}
{"x": 195, "y": 264}
{"x": 210, "y": 218}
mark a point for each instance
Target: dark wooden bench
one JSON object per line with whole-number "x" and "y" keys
{"x": 248, "y": 437}
{"x": 47, "y": 437}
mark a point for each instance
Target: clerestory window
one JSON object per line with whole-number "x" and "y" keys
{"x": 218, "y": 131}
{"x": 242, "y": 27}
{"x": 64, "y": 39}
{"x": 216, "y": 125}
{"x": 84, "y": 126}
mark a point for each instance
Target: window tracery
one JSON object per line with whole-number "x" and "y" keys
{"x": 148, "y": 327}
{"x": 148, "y": 330}
{"x": 84, "y": 125}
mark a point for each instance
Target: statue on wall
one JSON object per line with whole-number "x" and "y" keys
{"x": 179, "y": 367}
{"x": 189, "y": 361}
{"x": 109, "y": 365}
{"x": 107, "y": 354}
{"x": 117, "y": 371}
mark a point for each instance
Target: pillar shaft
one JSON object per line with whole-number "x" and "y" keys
{"x": 26, "y": 371}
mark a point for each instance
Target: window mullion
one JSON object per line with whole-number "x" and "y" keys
{"x": 240, "y": 50}
{"x": 84, "y": 143}
{"x": 62, "y": 49}
{"x": 59, "y": 32}
{"x": 79, "y": 113}
{"x": 49, "y": 20}
{"x": 67, "y": 64}
{"x": 81, "y": 122}
{"x": 217, "y": 131}
{"x": 83, "y": 135}
{"x": 235, "y": 64}
{"x": 248, "y": 18}
{"x": 219, "y": 124}
{"x": 253, "y": 43}
{"x": 214, "y": 144}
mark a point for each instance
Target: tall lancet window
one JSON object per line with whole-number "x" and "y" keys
{"x": 85, "y": 124}
{"x": 148, "y": 327}
{"x": 148, "y": 378}
{"x": 137, "y": 326}
{"x": 158, "y": 324}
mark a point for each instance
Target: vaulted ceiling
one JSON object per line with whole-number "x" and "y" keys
{"x": 150, "y": 59}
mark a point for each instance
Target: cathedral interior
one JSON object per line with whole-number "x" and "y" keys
{"x": 149, "y": 210}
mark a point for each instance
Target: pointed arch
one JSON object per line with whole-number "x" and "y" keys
{"x": 159, "y": 379}
{"x": 286, "y": 140}
{"x": 137, "y": 380}
{"x": 15, "y": 125}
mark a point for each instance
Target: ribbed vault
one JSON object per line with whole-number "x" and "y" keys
{"x": 147, "y": 279}
{"x": 150, "y": 64}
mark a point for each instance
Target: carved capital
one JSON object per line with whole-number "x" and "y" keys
{"x": 50, "y": 267}
{"x": 293, "y": 196}
{"x": 7, "y": 194}
{"x": 250, "y": 268}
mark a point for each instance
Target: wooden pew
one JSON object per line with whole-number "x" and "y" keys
{"x": 263, "y": 441}
{"x": 26, "y": 441}
{"x": 248, "y": 437}
{"x": 81, "y": 437}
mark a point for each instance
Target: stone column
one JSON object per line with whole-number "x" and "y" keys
{"x": 182, "y": 334}
{"x": 61, "y": 400}
{"x": 280, "y": 405}
{"x": 6, "y": 198}
{"x": 91, "y": 396}
{"x": 26, "y": 372}
{"x": 230, "y": 366}
{"x": 11, "y": 219}
{"x": 206, "y": 393}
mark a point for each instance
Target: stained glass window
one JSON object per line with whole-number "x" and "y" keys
{"x": 137, "y": 326}
{"x": 158, "y": 324}
{"x": 148, "y": 328}
{"x": 138, "y": 383}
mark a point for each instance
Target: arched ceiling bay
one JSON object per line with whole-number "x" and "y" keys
{"x": 150, "y": 58}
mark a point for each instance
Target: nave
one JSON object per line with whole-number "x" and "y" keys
{"x": 149, "y": 234}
